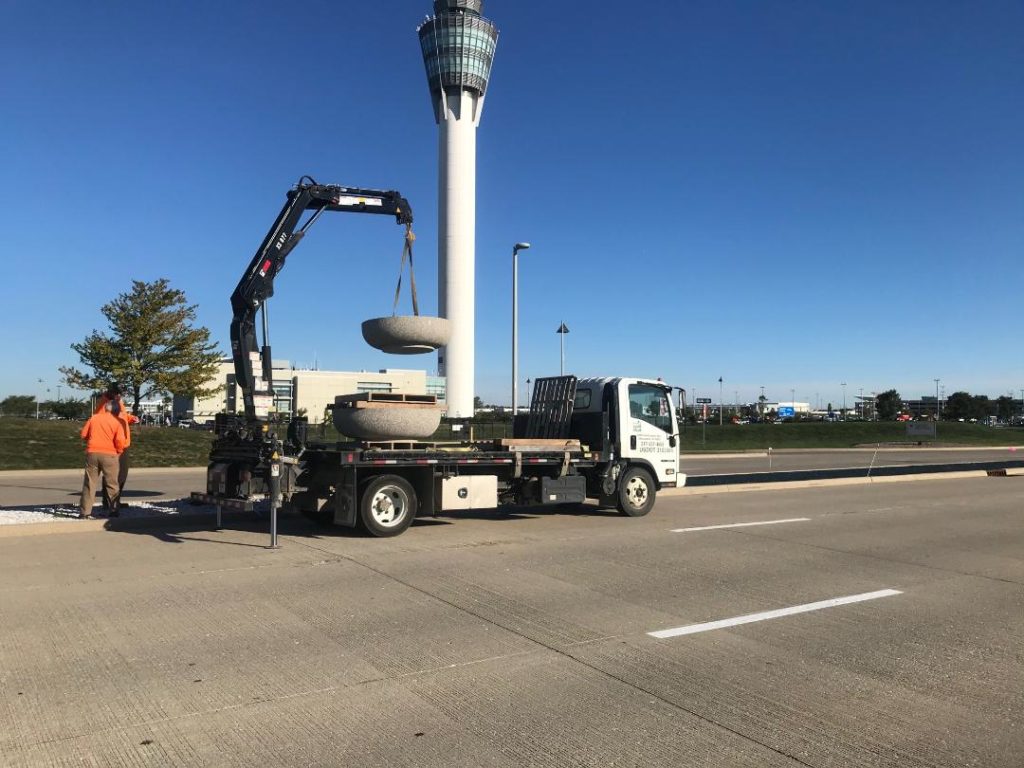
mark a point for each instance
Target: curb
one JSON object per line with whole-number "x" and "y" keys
{"x": 702, "y": 490}
{"x": 863, "y": 448}
{"x": 117, "y": 524}
{"x": 135, "y": 470}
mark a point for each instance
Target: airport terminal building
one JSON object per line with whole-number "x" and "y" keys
{"x": 305, "y": 392}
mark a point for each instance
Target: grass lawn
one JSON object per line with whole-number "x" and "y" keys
{"x": 31, "y": 444}
{"x": 733, "y": 437}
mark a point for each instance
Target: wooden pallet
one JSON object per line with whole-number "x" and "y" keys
{"x": 387, "y": 397}
{"x": 539, "y": 444}
{"x": 409, "y": 445}
{"x": 385, "y": 400}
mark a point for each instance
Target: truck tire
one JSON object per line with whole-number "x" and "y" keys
{"x": 387, "y": 505}
{"x": 635, "y": 497}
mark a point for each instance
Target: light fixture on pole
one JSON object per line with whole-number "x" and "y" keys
{"x": 562, "y": 330}
{"x": 528, "y": 382}
{"x": 515, "y": 323}
{"x": 721, "y": 401}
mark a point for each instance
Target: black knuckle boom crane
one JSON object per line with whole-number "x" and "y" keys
{"x": 610, "y": 439}
{"x": 257, "y": 284}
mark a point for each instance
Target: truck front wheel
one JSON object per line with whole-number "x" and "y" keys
{"x": 387, "y": 505}
{"x": 636, "y": 492}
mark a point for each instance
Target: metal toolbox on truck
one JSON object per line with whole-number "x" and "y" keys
{"x": 467, "y": 492}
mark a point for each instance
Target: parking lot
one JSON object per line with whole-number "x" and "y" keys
{"x": 872, "y": 625}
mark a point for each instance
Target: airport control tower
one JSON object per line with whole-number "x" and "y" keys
{"x": 458, "y": 49}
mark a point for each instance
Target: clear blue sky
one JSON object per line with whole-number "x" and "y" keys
{"x": 789, "y": 194}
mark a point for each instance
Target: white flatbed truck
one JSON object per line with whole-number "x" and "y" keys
{"x": 609, "y": 439}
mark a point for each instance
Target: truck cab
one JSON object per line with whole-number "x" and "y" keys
{"x": 632, "y": 420}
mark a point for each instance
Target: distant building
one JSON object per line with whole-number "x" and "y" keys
{"x": 304, "y": 391}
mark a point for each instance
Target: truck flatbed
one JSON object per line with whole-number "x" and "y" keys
{"x": 488, "y": 452}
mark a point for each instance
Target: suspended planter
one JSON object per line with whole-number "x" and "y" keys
{"x": 413, "y": 334}
{"x": 407, "y": 334}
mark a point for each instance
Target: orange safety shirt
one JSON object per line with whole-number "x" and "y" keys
{"x": 104, "y": 434}
{"x": 123, "y": 415}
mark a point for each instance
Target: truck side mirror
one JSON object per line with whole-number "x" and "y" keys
{"x": 672, "y": 441}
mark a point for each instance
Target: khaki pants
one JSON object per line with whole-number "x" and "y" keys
{"x": 124, "y": 462}
{"x": 97, "y": 464}
{"x": 122, "y": 472}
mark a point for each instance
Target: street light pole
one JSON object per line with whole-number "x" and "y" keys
{"x": 515, "y": 324}
{"x": 562, "y": 330}
{"x": 37, "y": 400}
{"x": 938, "y": 408}
{"x": 843, "y": 385}
{"x": 721, "y": 401}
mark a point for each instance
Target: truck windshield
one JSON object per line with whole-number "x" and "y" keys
{"x": 650, "y": 404}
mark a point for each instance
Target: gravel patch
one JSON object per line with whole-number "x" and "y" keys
{"x": 66, "y": 513}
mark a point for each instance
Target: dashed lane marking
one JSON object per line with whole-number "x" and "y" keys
{"x": 693, "y": 629}
{"x": 740, "y": 525}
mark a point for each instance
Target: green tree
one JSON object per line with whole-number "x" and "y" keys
{"x": 981, "y": 407}
{"x": 888, "y": 404}
{"x": 152, "y": 346}
{"x": 957, "y": 406}
{"x": 1006, "y": 408}
{"x": 18, "y": 405}
{"x": 68, "y": 408}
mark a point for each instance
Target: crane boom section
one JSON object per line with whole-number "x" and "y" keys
{"x": 257, "y": 283}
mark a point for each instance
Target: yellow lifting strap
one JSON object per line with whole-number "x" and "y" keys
{"x": 407, "y": 251}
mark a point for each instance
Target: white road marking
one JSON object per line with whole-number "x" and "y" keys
{"x": 740, "y": 525}
{"x": 752, "y": 617}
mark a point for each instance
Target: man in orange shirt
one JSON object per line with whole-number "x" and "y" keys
{"x": 127, "y": 418}
{"x": 104, "y": 436}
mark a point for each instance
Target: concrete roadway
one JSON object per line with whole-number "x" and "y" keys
{"x": 62, "y": 486}
{"x": 523, "y": 640}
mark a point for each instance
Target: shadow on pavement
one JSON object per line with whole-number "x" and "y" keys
{"x": 174, "y": 529}
{"x": 129, "y": 494}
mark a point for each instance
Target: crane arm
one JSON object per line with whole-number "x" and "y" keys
{"x": 257, "y": 283}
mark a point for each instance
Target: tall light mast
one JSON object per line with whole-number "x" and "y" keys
{"x": 458, "y": 47}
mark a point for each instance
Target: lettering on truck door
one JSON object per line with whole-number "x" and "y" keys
{"x": 650, "y": 423}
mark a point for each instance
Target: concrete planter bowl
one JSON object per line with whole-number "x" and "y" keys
{"x": 407, "y": 334}
{"x": 395, "y": 421}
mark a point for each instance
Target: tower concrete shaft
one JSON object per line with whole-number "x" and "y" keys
{"x": 458, "y": 47}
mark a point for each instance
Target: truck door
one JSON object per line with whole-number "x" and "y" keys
{"x": 648, "y": 429}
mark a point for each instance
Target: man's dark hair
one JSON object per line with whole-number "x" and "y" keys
{"x": 114, "y": 389}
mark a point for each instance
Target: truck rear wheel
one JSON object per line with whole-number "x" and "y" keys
{"x": 635, "y": 492}
{"x": 387, "y": 505}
